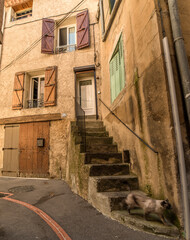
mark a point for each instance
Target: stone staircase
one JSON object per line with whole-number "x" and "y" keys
{"x": 110, "y": 180}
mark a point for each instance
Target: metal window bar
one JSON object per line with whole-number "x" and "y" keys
{"x": 80, "y": 115}
{"x": 65, "y": 48}
{"x": 35, "y": 103}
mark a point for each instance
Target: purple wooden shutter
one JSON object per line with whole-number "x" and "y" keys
{"x": 83, "y": 30}
{"x": 48, "y": 36}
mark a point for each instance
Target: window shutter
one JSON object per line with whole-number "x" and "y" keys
{"x": 50, "y": 86}
{"x": 47, "y": 36}
{"x": 83, "y": 30}
{"x": 18, "y": 91}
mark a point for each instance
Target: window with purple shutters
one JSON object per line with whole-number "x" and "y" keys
{"x": 48, "y": 36}
{"x": 83, "y": 30}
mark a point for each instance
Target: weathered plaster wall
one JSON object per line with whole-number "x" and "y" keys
{"x": 143, "y": 104}
{"x": 59, "y": 131}
{"x": 18, "y": 36}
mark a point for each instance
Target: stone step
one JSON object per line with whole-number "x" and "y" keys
{"x": 104, "y": 148}
{"x": 103, "y": 158}
{"x": 94, "y": 130}
{"x": 116, "y": 183}
{"x": 94, "y": 124}
{"x": 115, "y": 199}
{"x": 136, "y": 221}
{"x": 99, "y": 140}
{"x": 97, "y": 134}
{"x": 109, "y": 169}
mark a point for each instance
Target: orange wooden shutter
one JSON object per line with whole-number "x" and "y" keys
{"x": 83, "y": 30}
{"x": 48, "y": 36}
{"x": 50, "y": 86}
{"x": 18, "y": 91}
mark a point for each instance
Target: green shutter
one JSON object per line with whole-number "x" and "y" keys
{"x": 117, "y": 71}
{"x": 122, "y": 67}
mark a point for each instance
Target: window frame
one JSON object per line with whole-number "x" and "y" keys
{"x": 31, "y": 89}
{"x": 58, "y": 36}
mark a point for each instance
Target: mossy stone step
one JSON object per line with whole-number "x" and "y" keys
{"x": 99, "y": 140}
{"x": 136, "y": 221}
{"x": 93, "y": 124}
{"x": 109, "y": 169}
{"x": 103, "y": 158}
{"x": 111, "y": 148}
{"x": 116, "y": 183}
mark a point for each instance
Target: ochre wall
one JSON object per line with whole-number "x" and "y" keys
{"x": 144, "y": 103}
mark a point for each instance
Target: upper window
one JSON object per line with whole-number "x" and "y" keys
{"x": 117, "y": 70}
{"x": 21, "y": 11}
{"x": 66, "y": 39}
{"x": 111, "y": 3}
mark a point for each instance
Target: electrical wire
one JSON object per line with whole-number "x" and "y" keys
{"x": 39, "y": 19}
{"x": 34, "y": 44}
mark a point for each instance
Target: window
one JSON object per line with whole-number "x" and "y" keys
{"x": 66, "y": 39}
{"x": 21, "y": 11}
{"x": 35, "y": 89}
{"x": 111, "y": 3}
{"x": 36, "y": 92}
{"x": 117, "y": 70}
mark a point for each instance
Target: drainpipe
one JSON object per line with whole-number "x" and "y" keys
{"x": 180, "y": 52}
{"x": 179, "y": 142}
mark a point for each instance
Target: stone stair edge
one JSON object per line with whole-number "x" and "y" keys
{"x": 140, "y": 224}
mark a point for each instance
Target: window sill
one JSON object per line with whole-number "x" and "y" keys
{"x": 112, "y": 17}
{"x": 65, "y": 49}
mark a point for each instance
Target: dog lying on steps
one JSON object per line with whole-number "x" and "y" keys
{"x": 149, "y": 205}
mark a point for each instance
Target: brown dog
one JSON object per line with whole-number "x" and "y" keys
{"x": 148, "y": 204}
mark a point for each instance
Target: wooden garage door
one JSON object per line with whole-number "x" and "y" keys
{"x": 11, "y": 151}
{"x": 34, "y": 160}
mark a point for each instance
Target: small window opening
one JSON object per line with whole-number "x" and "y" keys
{"x": 21, "y": 11}
{"x": 36, "y": 92}
{"x": 112, "y": 3}
{"x": 66, "y": 39}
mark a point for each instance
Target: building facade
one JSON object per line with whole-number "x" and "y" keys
{"x": 47, "y": 68}
{"x": 100, "y": 56}
{"x": 134, "y": 87}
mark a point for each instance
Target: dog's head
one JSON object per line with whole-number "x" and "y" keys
{"x": 165, "y": 204}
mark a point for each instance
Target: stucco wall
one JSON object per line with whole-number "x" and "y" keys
{"x": 59, "y": 132}
{"x": 144, "y": 103}
{"x": 18, "y": 36}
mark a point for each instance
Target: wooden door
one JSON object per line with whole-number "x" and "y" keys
{"x": 11, "y": 151}
{"x": 34, "y": 159}
{"x": 86, "y": 94}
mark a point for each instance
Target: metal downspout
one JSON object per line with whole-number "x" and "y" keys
{"x": 175, "y": 112}
{"x": 179, "y": 143}
{"x": 180, "y": 52}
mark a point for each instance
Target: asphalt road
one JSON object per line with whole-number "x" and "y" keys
{"x": 75, "y": 216}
